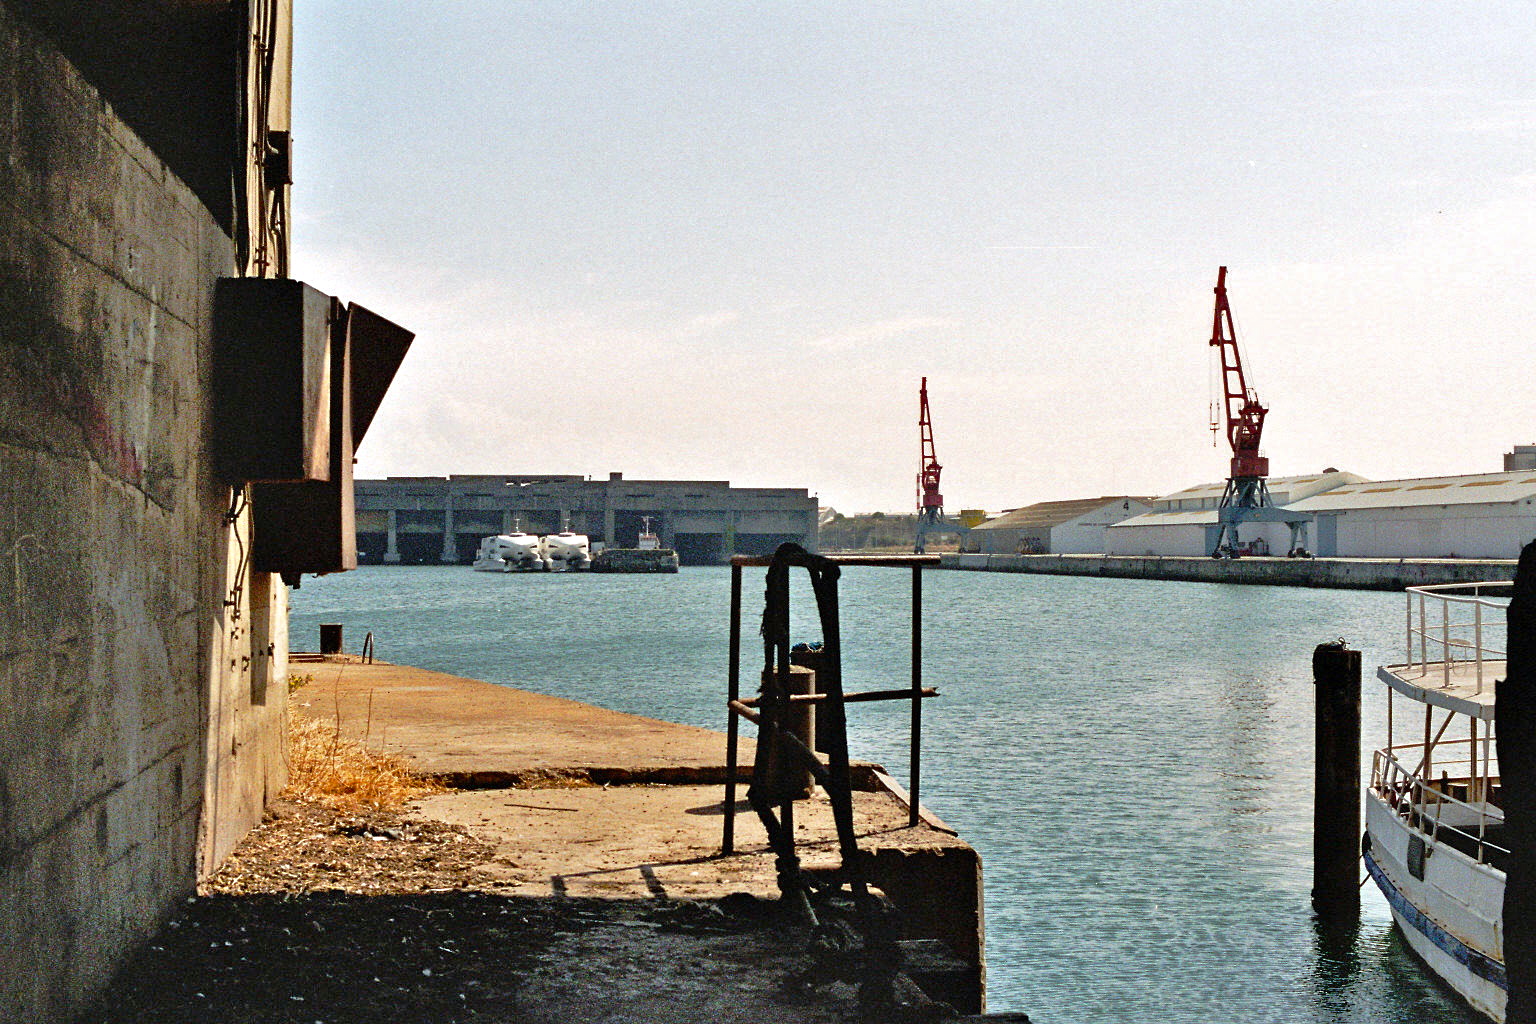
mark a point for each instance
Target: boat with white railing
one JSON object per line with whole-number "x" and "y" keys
{"x": 509, "y": 552}
{"x": 1433, "y": 821}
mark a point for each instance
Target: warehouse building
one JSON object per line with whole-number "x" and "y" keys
{"x": 440, "y": 520}
{"x": 1491, "y": 515}
{"x": 1054, "y": 527}
{"x": 1184, "y": 523}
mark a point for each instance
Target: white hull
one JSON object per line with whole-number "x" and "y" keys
{"x": 516, "y": 552}
{"x": 565, "y": 551}
{"x": 1452, "y": 917}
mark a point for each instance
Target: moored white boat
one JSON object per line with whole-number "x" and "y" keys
{"x": 565, "y": 551}
{"x": 509, "y": 552}
{"x": 1433, "y": 823}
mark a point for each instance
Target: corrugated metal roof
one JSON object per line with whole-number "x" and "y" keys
{"x": 1045, "y": 514}
{"x": 1480, "y": 489}
{"x": 1193, "y": 517}
{"x": 1280, "y": 486}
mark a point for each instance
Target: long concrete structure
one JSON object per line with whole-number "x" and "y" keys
{"x": 440, "y": 520}
{"x": 1342, "y": 573}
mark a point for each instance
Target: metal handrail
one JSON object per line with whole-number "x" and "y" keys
{"x": 1413, "y": 796}
{"x": 1454, "y": 647}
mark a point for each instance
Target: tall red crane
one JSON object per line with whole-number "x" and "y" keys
{"x": 1246, "y": 498}
{"x": 930, "y": 503}
{"x": 1245, "y": 416}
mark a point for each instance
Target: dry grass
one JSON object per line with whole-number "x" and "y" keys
{"x": 338, "y": 773}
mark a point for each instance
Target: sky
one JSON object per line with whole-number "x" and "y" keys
{"x": 725, "y": 241}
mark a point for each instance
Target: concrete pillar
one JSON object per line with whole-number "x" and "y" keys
{"x": 392, "y": 552}
{"x": 608, "y": 527}
{"x": 450, "y": 552}
{"x": 1336, "y": 783}
{"x": 1515, "y": 726}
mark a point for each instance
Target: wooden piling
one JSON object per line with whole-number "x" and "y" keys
{"x": 1515, "y": 726}
{"x": 1336, "y": 783}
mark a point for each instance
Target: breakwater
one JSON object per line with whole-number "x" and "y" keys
{"x": 1344, "y": 573}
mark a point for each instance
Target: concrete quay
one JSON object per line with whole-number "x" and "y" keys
{"x": 1343, "y": 573}
{"x": 582, "y": 801}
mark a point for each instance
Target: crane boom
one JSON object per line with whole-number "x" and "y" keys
{"x": 928, "y": 468}
{"x": 1245, "y": 416}
{"x": 930, "y": 503}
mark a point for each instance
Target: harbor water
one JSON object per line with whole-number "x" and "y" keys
{"x": 1132, "y": 758}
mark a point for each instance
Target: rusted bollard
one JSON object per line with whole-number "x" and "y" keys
{"x": 787, "y": 771}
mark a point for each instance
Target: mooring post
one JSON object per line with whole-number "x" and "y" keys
{"x": 1336, "y": 782}
{"x": 330, "y": 638}
{"x": 732, "y": 727}
{"x": 1515, "y": 726}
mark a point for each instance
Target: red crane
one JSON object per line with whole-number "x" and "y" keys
{"x": 930, "y": 503}
{"x": 1245, "y": 416}
{"x": 1246, "y": 498}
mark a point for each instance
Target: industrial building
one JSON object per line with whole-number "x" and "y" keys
{"x": 1490, "y": 515}
{"x": 440, "y": 520}
{"x": 1054, "y": 527}
{"x": 1186, "y": 523}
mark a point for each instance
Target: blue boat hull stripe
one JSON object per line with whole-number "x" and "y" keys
{"x": 1480, "y": 964}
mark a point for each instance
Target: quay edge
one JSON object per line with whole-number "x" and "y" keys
{"x": 1343, "y": 573}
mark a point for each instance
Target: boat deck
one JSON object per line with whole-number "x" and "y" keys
{"x": 1465, "y": 687}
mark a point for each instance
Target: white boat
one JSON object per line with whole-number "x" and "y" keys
{"x": 565, "y": 551}
{"x": 648, "y": 540}
{"x": 1433, "y": 823}
{"x": 509, "y": 552}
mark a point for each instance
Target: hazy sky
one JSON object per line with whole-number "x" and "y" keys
{"x": 725, "y": 240}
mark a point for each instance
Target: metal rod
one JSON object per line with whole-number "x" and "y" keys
{"x": 887, "y": 561}
{"x": 917, "y": 693}
{"x": 862, "y": 696}
{"x": 1445, "y": 642}
{"x": 728, "y": 840}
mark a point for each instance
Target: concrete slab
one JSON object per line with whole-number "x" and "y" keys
{"x": 638, "y": 842}
{"x": 479, "y": 733}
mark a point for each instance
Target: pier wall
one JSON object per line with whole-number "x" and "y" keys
{"x": 1343, "y": 573}
{"x": 142, "y": 706}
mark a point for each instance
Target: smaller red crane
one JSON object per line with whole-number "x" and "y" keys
{"x": 930, "y": 503}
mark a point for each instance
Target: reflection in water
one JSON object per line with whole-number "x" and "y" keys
{"x": 1132, "y": 758}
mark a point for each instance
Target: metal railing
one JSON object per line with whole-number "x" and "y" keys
{"x": 1461, "y": 621}
{"x": 1424, "y": 803}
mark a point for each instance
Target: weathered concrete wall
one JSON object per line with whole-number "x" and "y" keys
{"x": 1345, "y": 573}
{"x": 142, "y": 721}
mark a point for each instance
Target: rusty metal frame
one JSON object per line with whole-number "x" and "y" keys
{"x": 836, "y": 699}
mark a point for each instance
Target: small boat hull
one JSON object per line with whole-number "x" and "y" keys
{"x": 1461, "y": 938}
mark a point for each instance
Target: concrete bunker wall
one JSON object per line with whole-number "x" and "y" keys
{"x": 142, "y": 710}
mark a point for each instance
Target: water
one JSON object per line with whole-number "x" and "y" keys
{"x": 1132, "y": 758}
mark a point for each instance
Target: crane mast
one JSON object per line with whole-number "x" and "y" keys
{"x": 930, "y": 503}
{"x": 1246, "y": 498}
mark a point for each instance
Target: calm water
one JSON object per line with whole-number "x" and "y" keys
{"x": 1132, "y": 758}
